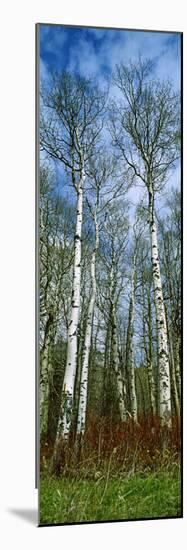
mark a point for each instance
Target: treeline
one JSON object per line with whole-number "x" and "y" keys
{"x": 110, "y": 263}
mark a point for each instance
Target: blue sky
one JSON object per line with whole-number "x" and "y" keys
{"x": 95, "y": 52}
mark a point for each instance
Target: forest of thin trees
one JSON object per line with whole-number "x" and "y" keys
{"x": 110, "y": 262}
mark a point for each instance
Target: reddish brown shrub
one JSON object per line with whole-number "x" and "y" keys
{"x": 128, "y": 447}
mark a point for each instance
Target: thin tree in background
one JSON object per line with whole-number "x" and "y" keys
{"x": 130, "y": 353}
{"x": 115, "y": 239}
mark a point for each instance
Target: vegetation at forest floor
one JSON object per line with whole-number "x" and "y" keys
{"x": 141, "y": 495}
{"x": 116, "y": 472}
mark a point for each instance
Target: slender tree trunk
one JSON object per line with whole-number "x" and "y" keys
{"x": 121, "y": 389}
{"x": 164, "y": 372}
{"x": 126, "y": 369}
{"x": 71, "y": 362}
{"x": 45, "y": 375}
{"x": 106, "y": 372}
{"x": 87, "y": 342}
{"x": 142, "y": 398}
{"x": 148, "y": 348}
{"x": 81, "y": 336}
{"x": 130, "y": 349}
{"x": 177, "y": 366}
{"x": 150, "y": 359}
{"x": 175, "y": 362}
{"x": 133, "y": 398}
{"x": 172, "y": 363}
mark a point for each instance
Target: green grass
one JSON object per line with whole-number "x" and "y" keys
{"x": 141, "y": 496}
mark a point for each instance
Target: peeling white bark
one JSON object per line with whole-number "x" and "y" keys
{"x": 163, "y": 356}
{"x": 71, "y": 363}
{"x": 87, "y": 342}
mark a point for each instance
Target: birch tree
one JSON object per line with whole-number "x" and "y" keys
{"x": 147, "y": 322}
{"x": 100, "y": 172}
{"x": 55, "y": 262}
{"x": 170, "y": 237}
{"x": 144, "y": 128}
{"x": 88, "y": 333}
{"x": 70, "y": 126}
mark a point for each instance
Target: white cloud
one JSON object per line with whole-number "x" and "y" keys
{"x": 83, "y": 58}
{"x": 100, "y": 56}
{"x": 54, "y": 37}
{"x": 45, "y": 74}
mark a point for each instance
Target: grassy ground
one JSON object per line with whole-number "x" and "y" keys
{"x": 139, "y": 496}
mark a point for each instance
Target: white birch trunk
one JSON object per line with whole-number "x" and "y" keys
{"x": 148, "y": 349}
{"x": 46, "y": 372}
{"x": 71, "y": 362}
{"x": 133, "y": 398}
{"x": 151, "y": 381}
{"x": 121, "y": 388}
{"x": 45, "y": 384}
{"x": 151, "y": 386}
{"x": 163, "y": 356}
{"x": 173, "y": 379}
{"x": 81, "y": 421}
{"x": 172, "y": 369}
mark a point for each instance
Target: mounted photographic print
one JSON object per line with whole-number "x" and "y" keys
{"x": 109, "y": 260}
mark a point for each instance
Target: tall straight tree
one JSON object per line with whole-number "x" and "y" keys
{"x": 144, "y": 128}
{"x": 146, "y": 317}
{"x": 130, "y": 346}
{"x": 130, "y": 359}
{"x": 170, "y": 237}
{"x": 100, "y": 173}
{"x": 88, "y": 334}
{"x": 56, "y": 242}
{"x": 70, "y": 126}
